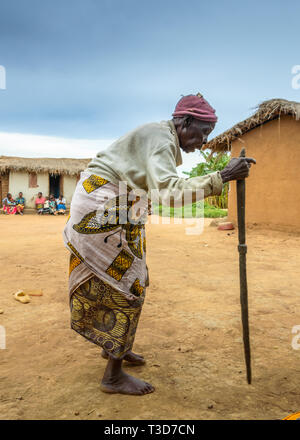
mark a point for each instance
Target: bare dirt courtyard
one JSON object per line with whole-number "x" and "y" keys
{"x": 189, "y": 332}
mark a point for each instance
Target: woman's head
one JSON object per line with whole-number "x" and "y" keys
{"x": 9, "y": 196}
{"x": 194, "y": 119}
{"x": 20, "y": 194}
{"x": 40, "y": 195}
{"x": 192, "y": 133}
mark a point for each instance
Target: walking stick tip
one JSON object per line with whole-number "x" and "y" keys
{"x": 243, "y": 152}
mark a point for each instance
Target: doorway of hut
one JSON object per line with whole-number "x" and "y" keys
{"x": 54, "y": 185}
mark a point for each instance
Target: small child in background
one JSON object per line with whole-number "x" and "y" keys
{"x": 46, "y": 208}
{"x": 52, "y": 204}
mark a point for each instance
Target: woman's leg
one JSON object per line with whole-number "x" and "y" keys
{"x": 19, "y": 209}
{"x": 115, "y": 380}
{"x": 133, "y": 358}
{"x": 108, "y": 333}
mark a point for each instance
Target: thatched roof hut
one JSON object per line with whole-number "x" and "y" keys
{"x": 45, "y": 175}
{"x": 66, "y": 166}
{"x": 266, "y": 111}
{"x": 272, "y": 136}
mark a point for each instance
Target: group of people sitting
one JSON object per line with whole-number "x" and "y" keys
{"x": 50, "y": 205}
{"x": 13, "y": 206}
{"x": 44, "y": 205}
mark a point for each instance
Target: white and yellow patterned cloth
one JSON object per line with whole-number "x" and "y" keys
{"x": 108, "y": 273}
{"x": 98, "y": 243}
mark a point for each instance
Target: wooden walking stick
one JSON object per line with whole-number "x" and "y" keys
{"x": 242, "y": 248}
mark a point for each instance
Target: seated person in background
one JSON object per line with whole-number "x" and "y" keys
{"x": 46, "y": 208}
{"x": 39, "y": 203}
{"x": 61, "y": 205}
{"x": 52, "y": 204}
{"x": 20, "y": 201}
{"x": 9, "y": 205}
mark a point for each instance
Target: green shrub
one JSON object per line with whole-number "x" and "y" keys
{"x": 190, "y": 211}
{"x": 212, "y": 163}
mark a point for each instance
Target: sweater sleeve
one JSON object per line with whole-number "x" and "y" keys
{"x": 166, "y": 187}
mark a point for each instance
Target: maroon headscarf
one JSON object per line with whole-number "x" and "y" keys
{"x": 196, "y": 106}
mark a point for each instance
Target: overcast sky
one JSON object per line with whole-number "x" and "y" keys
{"x": 81, "y": 73}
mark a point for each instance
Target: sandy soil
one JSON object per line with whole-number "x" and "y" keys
{"x": 190, "y": 330}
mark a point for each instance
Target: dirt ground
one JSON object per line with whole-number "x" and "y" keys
{"x": 190, "y": 329}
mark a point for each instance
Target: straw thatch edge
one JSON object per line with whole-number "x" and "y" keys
{"x": 65, "y": 166}
{"x": 267, "y": 111}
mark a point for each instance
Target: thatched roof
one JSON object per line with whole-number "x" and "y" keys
{"x": 70, "y": 167}
{"x": 266, "y": 111}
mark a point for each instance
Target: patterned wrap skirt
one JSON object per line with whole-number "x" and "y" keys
{"x": 108, "y": 273}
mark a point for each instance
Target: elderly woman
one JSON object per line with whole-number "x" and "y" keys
{"x": 106, "y": 232}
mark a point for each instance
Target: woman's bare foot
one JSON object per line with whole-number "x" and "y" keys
{"x": 115, "y": 380}
{"x": 133, "y": 358}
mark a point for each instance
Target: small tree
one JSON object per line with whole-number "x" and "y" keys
{"x": 212, "y": 162}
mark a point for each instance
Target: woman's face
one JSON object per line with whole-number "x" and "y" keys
{"x": 193, "y": 133}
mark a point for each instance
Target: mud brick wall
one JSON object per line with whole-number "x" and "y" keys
{"x": 4, "y": 186}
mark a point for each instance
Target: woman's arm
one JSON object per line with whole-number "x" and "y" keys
{"x": 162, "y": 177}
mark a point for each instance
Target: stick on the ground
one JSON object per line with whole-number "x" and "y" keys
{"x": 242, "y": 247}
